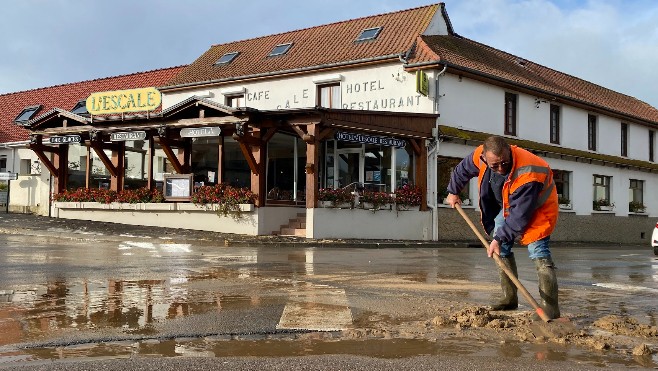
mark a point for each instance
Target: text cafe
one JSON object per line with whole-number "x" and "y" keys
{"x": 283, "y": 156}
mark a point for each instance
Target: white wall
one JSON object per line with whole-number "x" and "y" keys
{"x": 382, "y": 88}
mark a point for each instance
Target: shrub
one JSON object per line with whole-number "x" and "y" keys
{"x": 107, "y": 196}
{"x": 336, "y": 196}
{"x": 408, "y": 195}
{"x": 596, "y": 205}
{"x": 636, "y": 207}
{"x": 377, "y": 199}
{"x": 226, "y": 197}
{"x": 563, "y": 200}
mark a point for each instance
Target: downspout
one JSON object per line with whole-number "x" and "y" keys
{"x": 432, "y": 159}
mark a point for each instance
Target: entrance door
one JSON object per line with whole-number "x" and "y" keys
{"x": 349, "y": 167}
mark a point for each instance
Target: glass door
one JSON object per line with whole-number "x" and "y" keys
{"x": 349, "y": 167}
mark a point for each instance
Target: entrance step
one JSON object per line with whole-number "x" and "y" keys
{"x": 295, "y": 227}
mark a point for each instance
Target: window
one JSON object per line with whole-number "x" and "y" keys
{"x": 601, "y": 191}
{"x": 624, "y": 139}
{"x": 561, "y": 179}
{"x": 235, "y": 101}
{"x": 286, "y": 177}
{"x": 651, "y": 145}
{"x": 329, "y": 96}
{"x": 591, "y": 132}
{"x": 510, "y": 114}
{"x": 280, "y": 49}
{"x": 3, "y": 164}
{"x": 369, "y": 34}
{"x": 555, "y": 124}
{"x": 26, "y": 114}
{"x": 80, "y": 108}
{"x": 227, "y": 58}
{"x": 636, "y": 196}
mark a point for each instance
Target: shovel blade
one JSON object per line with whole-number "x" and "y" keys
{"x": 556, "y": 328}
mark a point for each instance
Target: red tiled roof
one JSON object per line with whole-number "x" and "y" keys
{"x": 468, "y": 54}
{"x": 66, "y": 96}
{"x": 312, "y": 47}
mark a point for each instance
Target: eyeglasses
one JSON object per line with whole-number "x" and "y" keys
{"x": 496, "y": 165}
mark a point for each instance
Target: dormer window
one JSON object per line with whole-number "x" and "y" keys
{"x": 280, "y": 49}
{"x": 369, "y": 34}
{"x": 27, "y": 114}
{"x": 227, "y": 58}
{"x": 80, "y": 108}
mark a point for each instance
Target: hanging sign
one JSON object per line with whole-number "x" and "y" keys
{"x": 121, "y": 136}
{"x": 370, "y": 139}
{"x": 8, "y": 176}
{"x": 119, "y": 101}
{"x": 422, "y": 83}
{"x": 64, "y": 139}
{"x": 200, "y": 132}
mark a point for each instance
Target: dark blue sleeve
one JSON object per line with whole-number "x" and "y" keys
{"x": 463, "y": 172}
{"x": 522, "y": 206}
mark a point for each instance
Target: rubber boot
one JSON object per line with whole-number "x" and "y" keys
{"x": 509, "y": 300}
{"x": 547, "y": 287}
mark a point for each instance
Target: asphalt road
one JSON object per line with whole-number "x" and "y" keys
{"x": 97, "y": 296}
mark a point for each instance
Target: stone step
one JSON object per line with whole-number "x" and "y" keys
{"x": 293, "y": 232}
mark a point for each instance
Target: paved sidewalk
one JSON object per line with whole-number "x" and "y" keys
{"x": 29, "y": 224}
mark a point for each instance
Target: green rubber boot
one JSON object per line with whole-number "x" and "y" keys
{"x": 509, "y": 300}
{"x": 548, "y": 287}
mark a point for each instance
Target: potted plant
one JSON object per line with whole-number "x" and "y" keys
{"x": 636, "y": 207}
{"x": 602, "y": 204}
{"x": 564, "y": 202}
{"x": 226, "y": 198}
{"x": 376, "y": 200}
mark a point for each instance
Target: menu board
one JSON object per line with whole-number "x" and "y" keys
{"x": 177, "y": 187}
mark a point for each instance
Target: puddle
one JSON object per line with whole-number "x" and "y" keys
{"x": 188, "y": 302}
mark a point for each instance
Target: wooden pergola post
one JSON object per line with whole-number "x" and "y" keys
{"x": 311, "y": 167}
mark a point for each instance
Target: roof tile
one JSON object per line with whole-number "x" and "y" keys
{"x": 312, "y": 47}
{"x": 469, "y": 54}
{"x": 66, "y": 96}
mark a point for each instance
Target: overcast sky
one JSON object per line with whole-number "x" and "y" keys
{"x": 613, "y": 43}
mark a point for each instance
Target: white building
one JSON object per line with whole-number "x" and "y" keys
{"x": 390, "y": 67}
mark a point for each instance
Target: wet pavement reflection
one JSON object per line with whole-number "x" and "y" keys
{"x": 67, "y": 299}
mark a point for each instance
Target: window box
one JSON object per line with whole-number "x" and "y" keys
{"x": 566, "y": 206}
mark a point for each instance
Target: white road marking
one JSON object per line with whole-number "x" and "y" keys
{"x": 316, "y": 308}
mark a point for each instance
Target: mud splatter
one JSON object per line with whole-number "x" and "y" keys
{"x": 625, "y": 326}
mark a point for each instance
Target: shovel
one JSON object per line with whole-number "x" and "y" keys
{"x": 540, "y": 312}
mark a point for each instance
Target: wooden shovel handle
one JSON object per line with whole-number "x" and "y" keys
{"x": 504, "y": 267}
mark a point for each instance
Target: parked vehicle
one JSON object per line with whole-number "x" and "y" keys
{"x": 654, "y": 239}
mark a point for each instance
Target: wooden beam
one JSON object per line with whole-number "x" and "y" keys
{"x": 299, "y": 131}
{"x": 249, "y": 156}
{"x": 208, "y": 121}
{"x": 38, "y": 150}
{"x": 270, "y": 133}
{"x": 88, "y": 166}
{"x": 421, "y": 173}
{"x": 104, "y": 159}
{"x": 248, "y": 139}
{"x": 171, "y": 156}
{"x": 325, "y": 133}
{"x": 415, "y": 145}
{"x": 150, "y": 183}
{"x": 311, "y": 167}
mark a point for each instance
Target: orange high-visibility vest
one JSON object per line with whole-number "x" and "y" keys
{"x": 526, "y": 168}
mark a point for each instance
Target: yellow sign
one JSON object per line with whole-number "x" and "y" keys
{"x": 118, "y": 101}
{"x": 422, "y": 83}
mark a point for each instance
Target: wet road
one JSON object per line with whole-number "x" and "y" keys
{"x": 77, "y": 299}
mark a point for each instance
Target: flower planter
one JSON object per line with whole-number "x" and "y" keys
{"x": 565, "y": 206}
{"x": 605, "y": 208}
{"x": 371, "y": 206}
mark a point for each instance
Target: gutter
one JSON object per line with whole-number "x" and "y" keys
{"x": 283, "y": 72}
{"x": 14, "y": 144}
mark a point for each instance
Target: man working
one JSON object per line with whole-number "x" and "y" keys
{"x": 517, "y": 200}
